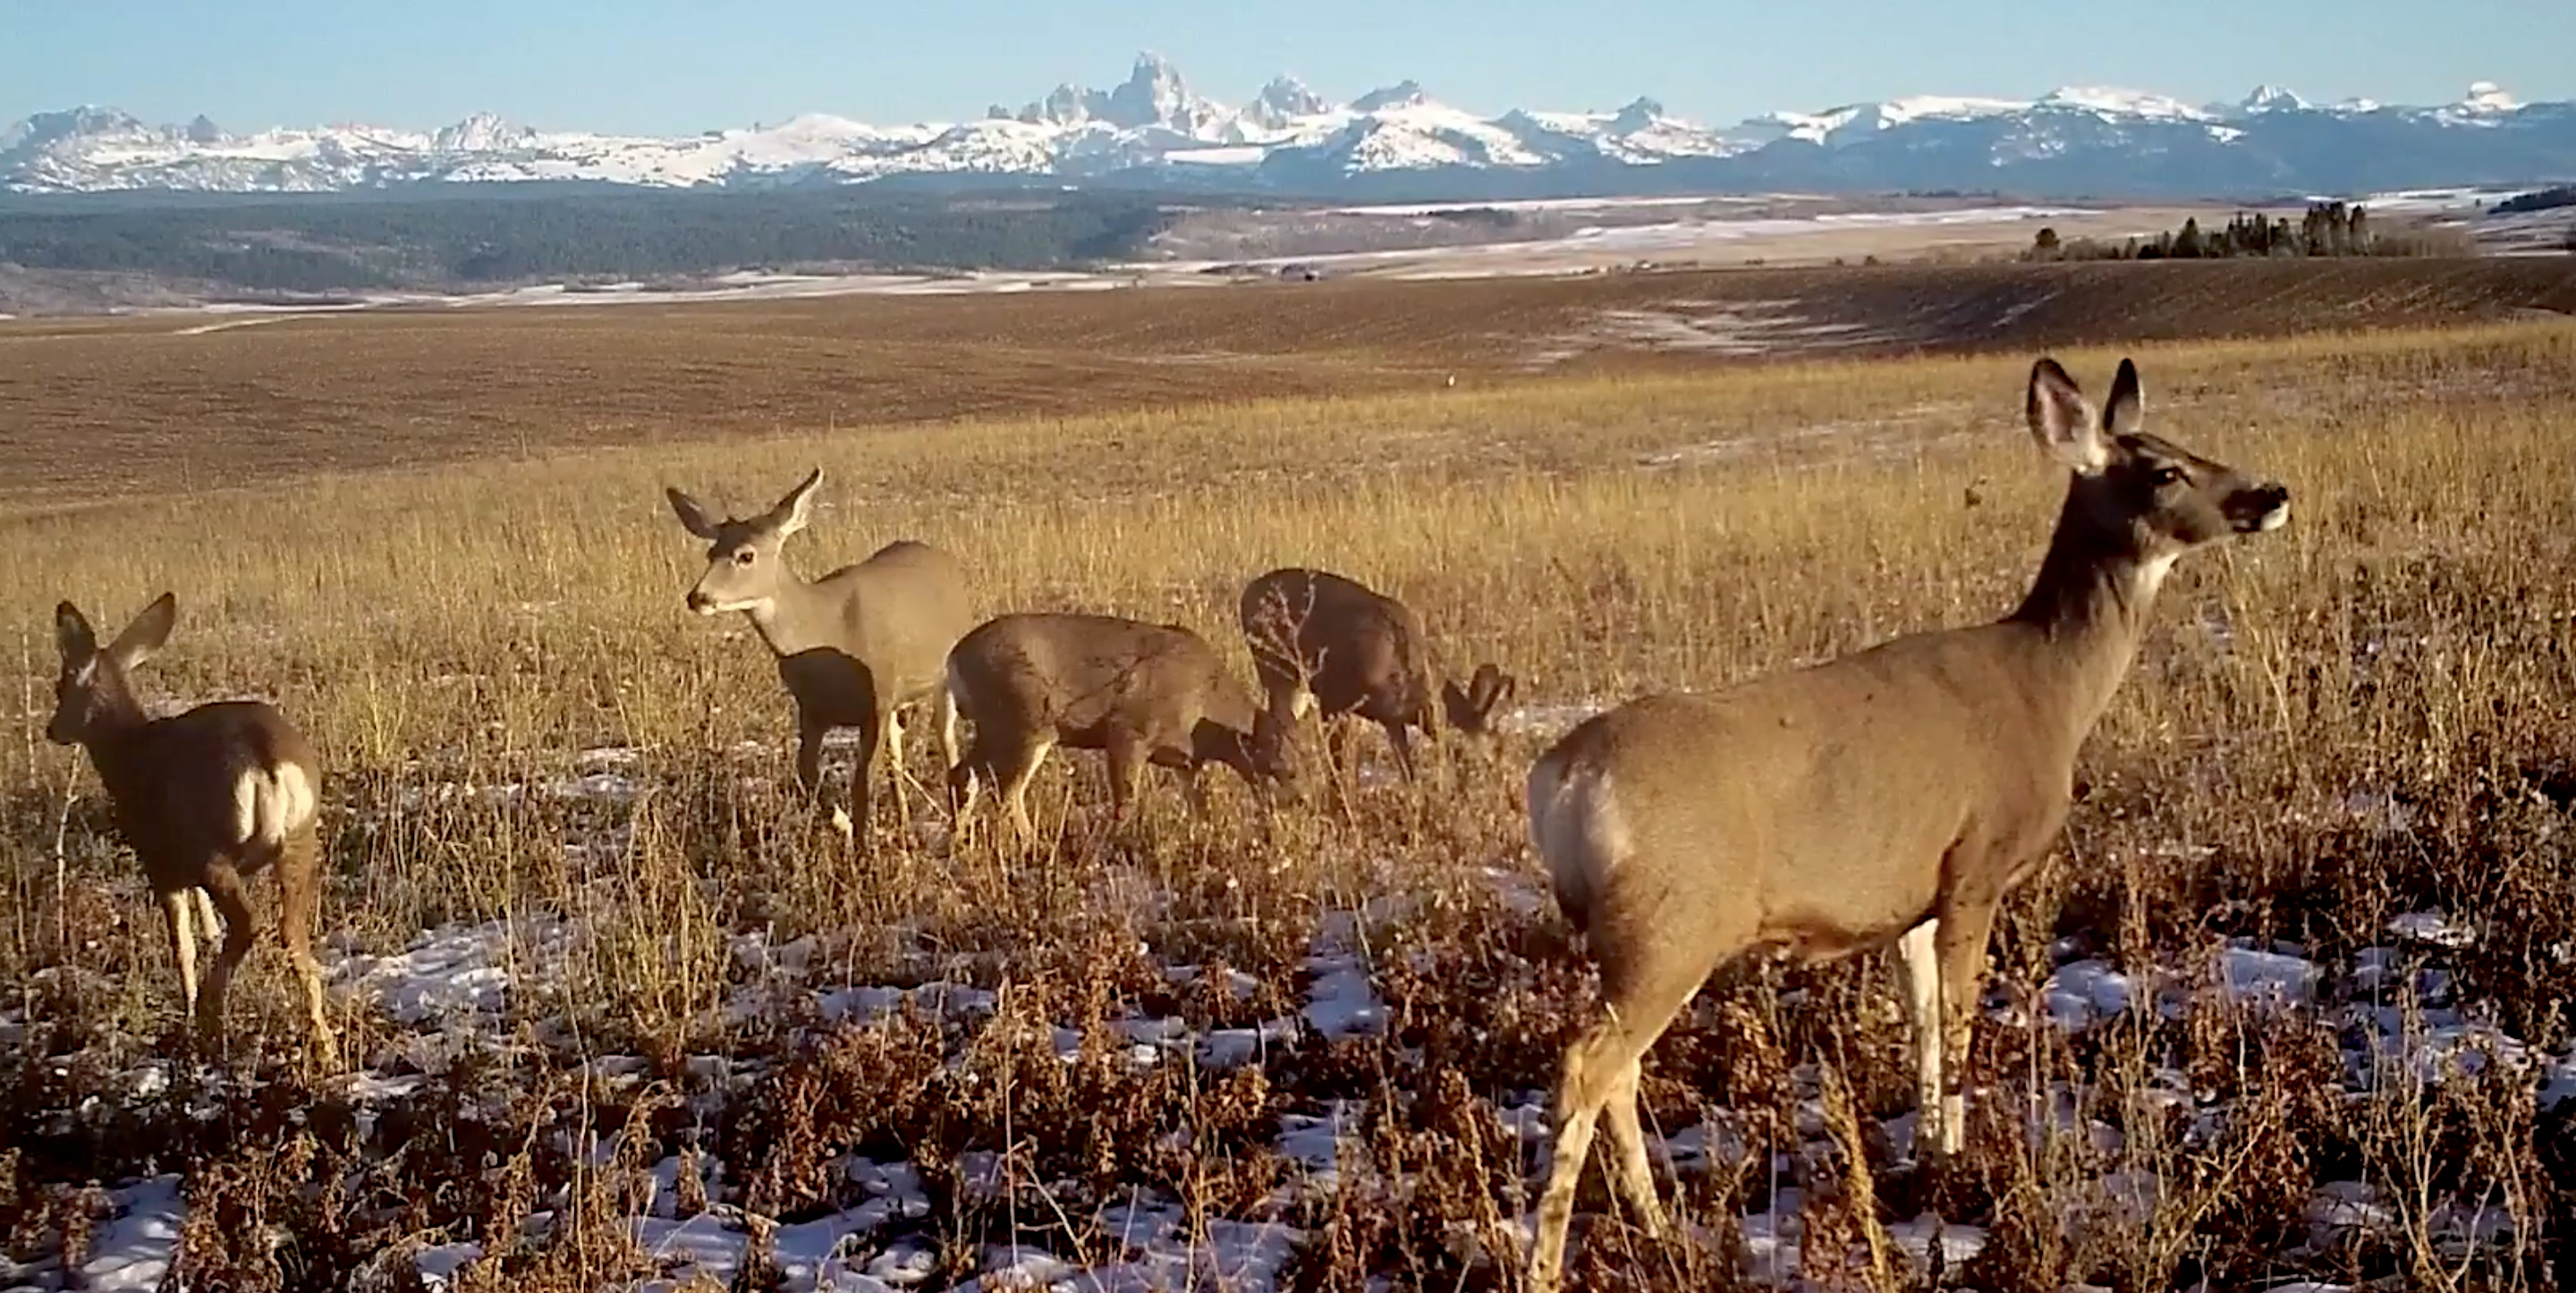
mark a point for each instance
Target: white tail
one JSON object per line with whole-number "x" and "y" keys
{"x": 208, "y": 799}
{"x": 1893, "y": 796}
{"x": 854, "y": 647}
{"x": 1324, "y": 641}
{"x": 1142, "y": 693}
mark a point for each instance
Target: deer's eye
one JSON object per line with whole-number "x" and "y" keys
{"x": 2169, "y": 475}
{"x": 742, "y": 558}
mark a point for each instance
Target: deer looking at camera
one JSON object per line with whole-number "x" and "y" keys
{"x": 854, "y": 647}
{"x": 1893, "y": 796}
{"x": 208, "y": 799}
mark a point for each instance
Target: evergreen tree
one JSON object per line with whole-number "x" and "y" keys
{"x": 2186, "y": 245}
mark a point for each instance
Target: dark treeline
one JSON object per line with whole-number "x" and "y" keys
{"x": 2539, "y": 200}
{"x": 2328, "y": 229}
{"x": 326, "y": 243}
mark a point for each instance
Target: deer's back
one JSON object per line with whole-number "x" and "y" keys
{"x": 1080, "y": 672}
{"x": 1826, "y": 801}
{"x": 1354, "y": 648}
{"x": 212, "y": 778}
{"x": 902, "y": 609}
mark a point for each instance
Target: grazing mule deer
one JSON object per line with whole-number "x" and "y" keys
{"x": 1143, "y": 693}
{"x": 854, "y": 647}
{"x": 208, "y": 799}
{"x": 1321, "y": 641}
{"x": 1890, "y": 796}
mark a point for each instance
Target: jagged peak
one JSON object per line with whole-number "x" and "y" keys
{"x": 1400, "y": 94}
{"x": 1639, "y": 113}
{"x": 481, "y": 132}
{"x": 2272, "y": 98}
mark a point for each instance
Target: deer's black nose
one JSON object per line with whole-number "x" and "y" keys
{"x": 2263, "y": 507}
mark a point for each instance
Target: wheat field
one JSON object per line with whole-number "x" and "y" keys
{"x": 2285, "y": 1004}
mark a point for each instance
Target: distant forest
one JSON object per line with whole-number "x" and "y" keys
{"x": 334, "y": 243}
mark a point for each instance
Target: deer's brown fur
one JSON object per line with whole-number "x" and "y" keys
{"x": 854, "y": 648}
{"x": 208, "y": 799}
{"x": 1326, "y": 643}
{"x": 1893, "y": 796}
{"x": 1142, "y": 693}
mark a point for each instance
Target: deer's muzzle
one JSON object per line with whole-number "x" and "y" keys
{"x": 2264, "y": 507}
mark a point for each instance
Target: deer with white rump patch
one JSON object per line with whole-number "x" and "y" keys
{"x": 208, "y": 799}
{"x": 854, "y": 647}
{"x": 1893, "y": 796}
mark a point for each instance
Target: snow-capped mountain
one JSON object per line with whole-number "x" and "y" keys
{"x": 1155, "y": 130}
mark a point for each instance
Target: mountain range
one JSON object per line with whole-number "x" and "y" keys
{"x": 1155, "y": 131}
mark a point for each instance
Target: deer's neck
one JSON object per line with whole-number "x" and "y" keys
{"x": 795, "y": 618}
{"x": 116, "y": 742}
{"x": 2088, "y": 608}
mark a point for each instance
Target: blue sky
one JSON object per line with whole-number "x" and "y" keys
{"x": 665, "y": 67}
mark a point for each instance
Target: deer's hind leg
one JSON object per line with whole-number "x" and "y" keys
{"x": 1639, "y": 997}
{"x": 208, "y": 923}
{"x": 1633, "y": 1174}
{"x": 232, "y": 897}
{"x": 1010, "y": 761}
{"x": 299, "y": 909}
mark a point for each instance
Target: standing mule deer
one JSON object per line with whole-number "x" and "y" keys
{"x": 1143, "y": 693}
{"x": 208, "y": 799}
{"x": 1321, "y": 641}
{"x": 1891, "y": 796}
{"x": 854, "y": 647}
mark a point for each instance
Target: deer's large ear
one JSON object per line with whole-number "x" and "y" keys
{"x": 2062, "y": 420}
{"x": 794, "y": 510}
{"x": 2126, "y": 407}
{"x": 693, "y": 518}
{"x": 146, "y": 634}
{"x": 72, "y": 633}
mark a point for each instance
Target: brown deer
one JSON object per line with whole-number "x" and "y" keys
{"x": 854, "y": 647}
{"x": 1891, "y": 796}
{"x": 1142, "y": 693}
{"x": 208, "y": 799}
{"x": 1325, "y": 642}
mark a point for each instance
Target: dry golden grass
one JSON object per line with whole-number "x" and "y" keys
{"x": 2405, "y": 643}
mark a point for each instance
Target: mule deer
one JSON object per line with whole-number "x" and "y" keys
{"x": 1321, "y": 641}
{"x": 208, "y": 799}
{"x": 1142, "y": 693}
{"x": 854, "y": 647}
{"x": 1891, "y": 796}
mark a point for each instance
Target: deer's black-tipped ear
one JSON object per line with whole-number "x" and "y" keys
{"x": 147, "y": 633}
{"x": 2126, "y": 407}
{"x": 2062, "y": 420}
{"x": 693, "y": 518}
{"x": 72, "y": 633}
{"x": 794, "y": 510}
